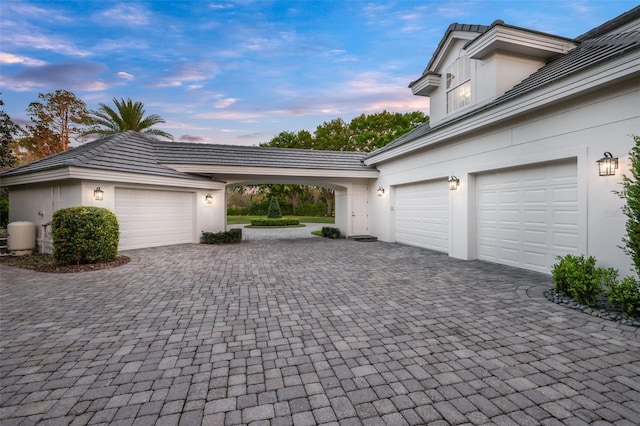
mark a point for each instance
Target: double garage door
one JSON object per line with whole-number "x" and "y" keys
{"x": 151, "y": 218}
{"x": 524, "y": 217}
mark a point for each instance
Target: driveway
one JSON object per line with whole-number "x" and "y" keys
{"x": 307, "y": 331}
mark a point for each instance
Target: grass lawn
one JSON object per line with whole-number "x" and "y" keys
{"x": 237, "y": 220}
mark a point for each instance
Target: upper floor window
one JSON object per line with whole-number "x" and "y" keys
{"x": 458, "y": 84}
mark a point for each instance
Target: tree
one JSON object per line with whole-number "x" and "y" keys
{"x": 333, "y": 135}
{"x": 371, "y": 132}
{"x": 127, "y": 115}
{"x": 8, "y": 131}
{"x": 274, "y": 211}
{"x": 56, "y": 119}
{"x": 631, "y": 194}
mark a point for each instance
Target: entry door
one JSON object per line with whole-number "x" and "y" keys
{"x": 359, "y": 210}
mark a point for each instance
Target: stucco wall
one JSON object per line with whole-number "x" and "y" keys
{"x": 36, "y": 203}
{"x": 582, "y": 129}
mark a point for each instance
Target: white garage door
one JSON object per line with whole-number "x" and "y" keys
{"x": 422, "y": 215}
{"x": 527, "y": 216}
{"x": 150, "y": 218}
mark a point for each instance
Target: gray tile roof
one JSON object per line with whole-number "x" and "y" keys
{"x": 588, "y": 53}
{"x": 134, "y": 153}
{"x": 252, "y": 156}
{"x": 123, "y": 152}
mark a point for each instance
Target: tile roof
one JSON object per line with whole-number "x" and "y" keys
{"x": 134, "y": 153}
{"x": 252, "y": 156}
{"x": 590, "y": 52}
{"x": 124, "y": 152}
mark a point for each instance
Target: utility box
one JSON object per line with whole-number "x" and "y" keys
{"x": 21, "y": 238}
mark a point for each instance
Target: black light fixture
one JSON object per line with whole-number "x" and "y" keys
{"x": 454, "y": 182}
{"x": 208, "y": 199}
{"x": 98, "y": 194}
{"x": 607, "y": 165}
{"x": 380, "y": 191}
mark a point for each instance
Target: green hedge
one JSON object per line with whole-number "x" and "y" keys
{"x": 84, "y": 235}
{"x": 228, "y": 237}
{"x": 330, "y": 232}
{"x": 261, "y": 209}
{"x": 275, "y": 222}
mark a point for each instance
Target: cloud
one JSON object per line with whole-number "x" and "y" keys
{"x": 70, "y": 76}
{"x": 11, "y": 59}
{"x": 125, "y": 75}
{"x": 43, "y": 42}
{"x": 125, "y": 14}
{"x": 226, "y": 102}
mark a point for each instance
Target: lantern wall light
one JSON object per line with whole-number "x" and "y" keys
{"x": 380, "y": 191}
{"x": 454, "y": 182}
{"x": 607, "y": 165}
{"x": 98, "y": 194}
{"x": 208, "y": 199}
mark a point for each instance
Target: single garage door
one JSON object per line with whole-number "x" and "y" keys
{"x": 151, "y": 218}
{"x": 422, "y": 215}
{"x": 527, "y": 216}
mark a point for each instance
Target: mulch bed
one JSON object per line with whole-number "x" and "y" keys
{"x": 46, "y": 263}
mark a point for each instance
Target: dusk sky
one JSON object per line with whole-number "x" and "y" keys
{"x": 241, "y": 72}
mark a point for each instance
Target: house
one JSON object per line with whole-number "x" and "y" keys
{"x": 166, "y": 193}
{"x": 518, "y": 121}
{"x": 505, "y": 171}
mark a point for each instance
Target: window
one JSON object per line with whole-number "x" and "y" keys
{"x": 458, "y": 84}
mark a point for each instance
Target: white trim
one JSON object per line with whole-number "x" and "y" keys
{"x": 108, "y": 175}
{"x": 271, "y": 171}
{"x": 518, "y": 41}
{"x": 625, "y": 66}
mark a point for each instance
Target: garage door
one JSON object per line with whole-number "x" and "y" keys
{"x": 154, "y": 218}
{"x": 422, "y": 215}
{"x": 527, "y": 216}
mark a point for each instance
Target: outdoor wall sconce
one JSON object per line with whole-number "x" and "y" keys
{"x": 454, "y": 182}
{"x": 607, "y": 165}
{"x": 98, "y": 194}
{"x": 380, "y": 191}
{"x": 208, "y": 199}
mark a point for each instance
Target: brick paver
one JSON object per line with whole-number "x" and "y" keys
{"x": 308, "y": 331}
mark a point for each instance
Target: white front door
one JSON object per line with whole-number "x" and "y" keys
{"x": 527, "y": 216}
{"x": 422, "y": 215}
{"x": 359, "y": 216}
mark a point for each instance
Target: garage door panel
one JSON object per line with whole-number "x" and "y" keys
{"x": 422, "y": 215}
{"x": 533, "y": 212}
{"x": 151, "y": 218}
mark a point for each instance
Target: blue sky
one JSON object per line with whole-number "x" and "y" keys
{"x": 241, "y": 72}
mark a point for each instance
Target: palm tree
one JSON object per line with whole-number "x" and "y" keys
{"x": 128, "y": 115}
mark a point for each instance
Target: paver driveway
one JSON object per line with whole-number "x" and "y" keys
{"x": 309, "y": 331}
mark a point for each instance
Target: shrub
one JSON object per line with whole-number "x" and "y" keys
{"x": 578, "y": 277}
{"x": 275, "y": 222}
{"x": 274, "y": 209}
{"x": 330, "y": 232}
{"x": 84, "y": 235}
{"x": 625, "y": 295}
{"x": 631, "y": 209}
{"x": 227, "y": 237}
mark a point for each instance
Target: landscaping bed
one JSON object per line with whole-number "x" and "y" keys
{"x": 46, "y": 263}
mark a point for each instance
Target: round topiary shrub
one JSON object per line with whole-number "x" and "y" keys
{"x": 84, "y": 235}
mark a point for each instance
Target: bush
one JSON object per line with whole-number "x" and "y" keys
{"x": 227, "y": 237}
{"x": 330, "y": 232}
{"x": 274, "y": 209}
{"x": 578, "y": 277}
{"x": 625, "y": 295}
{"x": 275, "y": 222}
{"x": 84, "y": 235}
